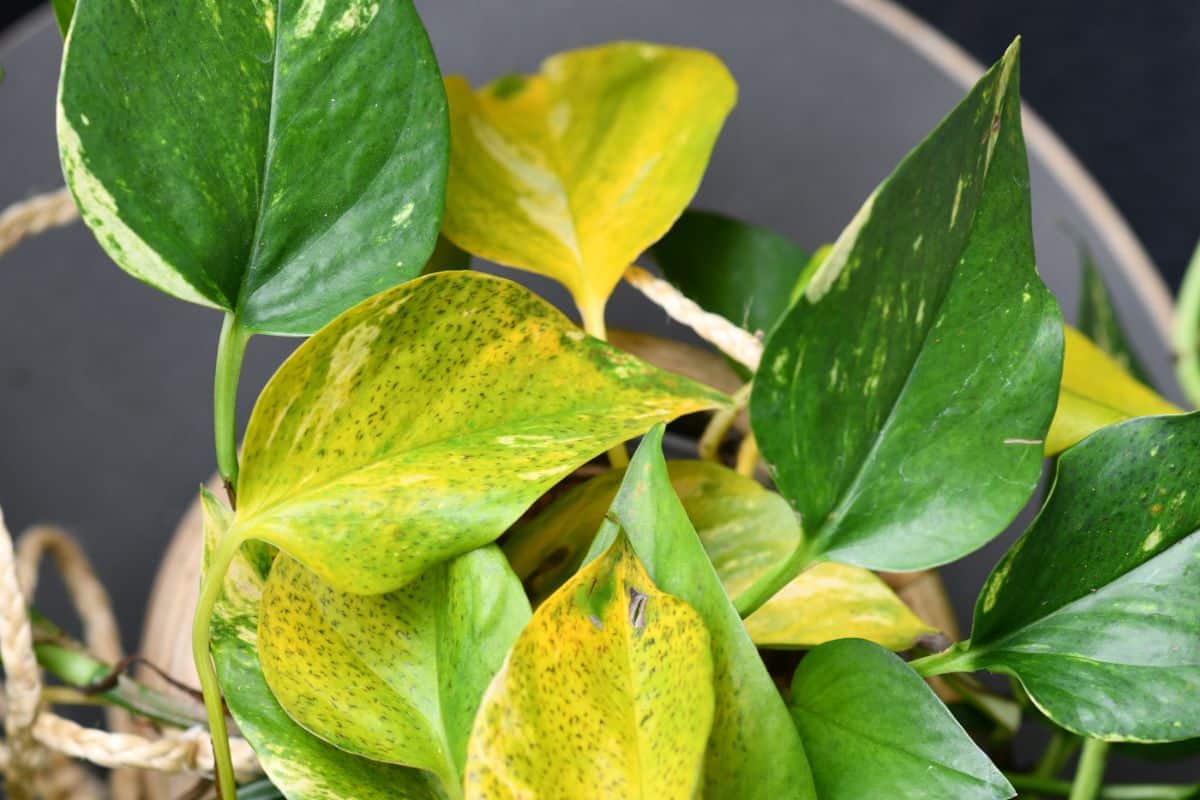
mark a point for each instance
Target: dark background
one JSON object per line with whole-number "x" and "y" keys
{"x": 1118, "y": 80}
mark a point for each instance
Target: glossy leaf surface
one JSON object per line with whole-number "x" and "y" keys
{"x": 746, "y": 530}
{"x": 302, "y": 766}
{"x": 280, "y": 160}
{"x": 574, "y": 171}
{"x": 1099, "y": 322}
{"x": 873, "y": 728}
{"x": 743, "y": 272}
{"x": 1096, "y": 609}
{"x": 1096, "y": 391}
{"x": 420, "y": 424}
{"x": 607, "y": 693}
{"x": 903, "y": 399}
{"x": 394, "y": 677}
{"x": 753, "y": 751}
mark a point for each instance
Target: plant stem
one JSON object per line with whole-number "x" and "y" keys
{"x": 210, "y": 591}
{"x": 1127, "y": 791}
{"x": 747, "y": 456}
{"x": 1058, "y": 752}
{"x": 231, "y": 347}
{"x": 954, "y": 659}
{"x": 768, "y": 585}
{"x": 1089, "y": 775}
{"x": 592, "y": 315}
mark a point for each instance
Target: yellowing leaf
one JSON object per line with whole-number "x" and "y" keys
{"x": 746, "y": 530}
{"x": 608, "y": 692}
{"x": 420, "y": 424}
{"x": 574, "y": 171}
{"x": 1096, "y": 391}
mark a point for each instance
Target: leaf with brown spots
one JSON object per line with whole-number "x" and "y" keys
{"x": 299, "y": 764}
{"x": 394, "y": 677}
{"x": 1096, "y": 609}
{"x": 1096, "y": 391}
{"x": 754, "y": 752}
{"x": 420, "y": 424}
{"x": 573, "y": 172}
{"x": 607, "y": 693}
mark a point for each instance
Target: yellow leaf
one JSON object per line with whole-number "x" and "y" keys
{"x": 574, "y": 171}
{"x": 1096, "y": 391}
{"x": 608, "y": 692}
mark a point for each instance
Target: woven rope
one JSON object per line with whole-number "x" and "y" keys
{"x": 35, "y": 215}
{"x": 34, "y": 742}
{"x": 740, "y": 345}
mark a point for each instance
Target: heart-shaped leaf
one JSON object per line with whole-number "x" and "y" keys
{"x": 421, "y": 423}
{"x": 903, "y": 399}
{"x": 753, "y": 752}
{"x": 746, "y": 531}
{"x": 302, "y": 766}
{"x": 1096, "y": 609}
{"x": 743, "y": 272}
{"x": 281, "y": 161}
{"x": 574, "y": 171}
{"x": 607, "y": 693}
{"x": 873, "y": 728}
{"x": 1096, "y": 391}
{"x": 1099, "y": 322}
{"x": 394, "y": 677}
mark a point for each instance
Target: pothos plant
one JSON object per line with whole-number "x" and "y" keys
{"x": 408, "y": 592}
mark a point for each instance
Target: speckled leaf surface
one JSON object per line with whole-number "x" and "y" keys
{"x": 280, "y": 160}
{"x": 903, "y": 399}
{"x": 1097, "y": 607}
{"x": 746, "y": 531}
{"x": 873, "y": 728}
{"x": 574, "y": 171}
{"x": 393, "y": 677}
{"x": 302, "y": 766}
{"x": 753, "y": 752}
{"x": 1098, "y": 319}
{"x": 1096, "y": 391}
{"x": 421, "y": 423}
{"x": 743, "y": 272}
{"x": 608, "y": 692}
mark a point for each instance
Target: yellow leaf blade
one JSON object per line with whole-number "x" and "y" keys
{"x": 626, "y": 667}
{"x": 573, "y": 172}
{"x": 1096, "y": 391}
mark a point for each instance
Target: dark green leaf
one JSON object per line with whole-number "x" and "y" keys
{"x": 902, "y": 401}
{"x": 873, "y": 728}
{"x": 63, "y": 11}
{"x": 1098, "y": 319}
{"x": 753, "y": 752}
{"x": 282, "y": 168}
{"x": 741, "y": 271}
{"x": 1096, "y": 609}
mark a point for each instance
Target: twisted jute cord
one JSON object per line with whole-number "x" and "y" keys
{"x": 35, "y": 740}
{"x": 740, "y": 345}
{"x": 35, "y": 215}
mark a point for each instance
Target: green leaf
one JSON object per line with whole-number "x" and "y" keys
{"x": 302, "y": 766}
{"x": 873, "y": 728}
{"x": 753, "y": 751}
{"x": 1096, "y": 391}
{"x": 573, "y": 172}
{"x": 608, "y": 692}
{"x": 280, "y": 161}
{"x": 743, "y": 272}
{"x": 64, "y": 10}
{"x": 746, "y": 530}
{"x": 422, "y": 423}
{"x": 1098, "y": 319}
{"x": 1187, "y": 331}
{"x": 902, "y": 401}
{"x": 394, "y": 677}
{"x": 1096, "y": 609}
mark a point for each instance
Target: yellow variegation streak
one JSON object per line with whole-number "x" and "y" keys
{"x": 607, "y": 693}
{"x": 1096, "y": 391}
{"x": 574, "y": 171}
